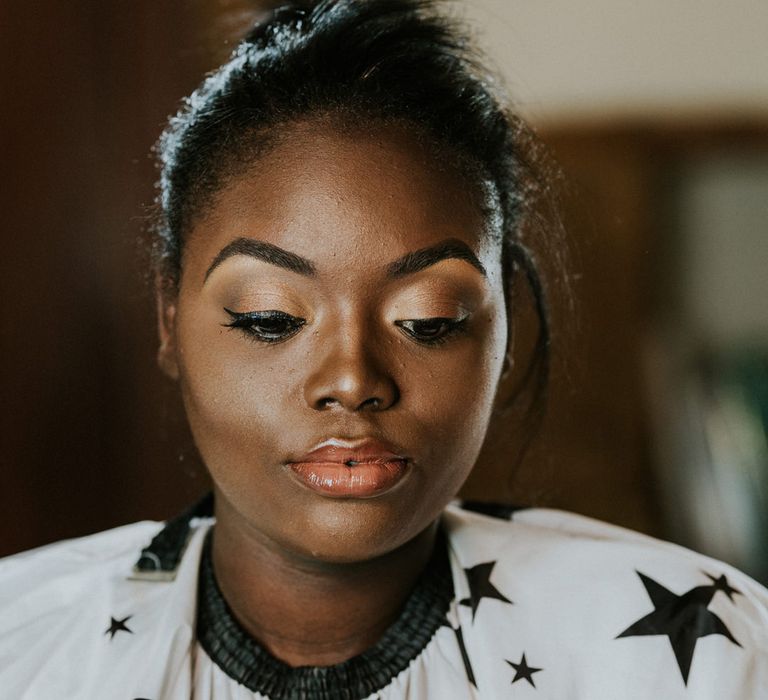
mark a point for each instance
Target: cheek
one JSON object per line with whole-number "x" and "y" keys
{"x": 452, "y": 391}
{"x": 235, "y": 391}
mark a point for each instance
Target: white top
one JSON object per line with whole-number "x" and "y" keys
{"x": 547, "y": 605}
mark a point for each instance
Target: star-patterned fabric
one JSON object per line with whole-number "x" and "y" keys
{"x": 546, "y": 605}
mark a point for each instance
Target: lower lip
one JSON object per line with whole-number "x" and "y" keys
{"x": 362, "y": 480}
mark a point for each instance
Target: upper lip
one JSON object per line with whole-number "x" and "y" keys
{"x": 342, "y": 451}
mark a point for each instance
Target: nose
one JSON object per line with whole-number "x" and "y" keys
{"x": 352, "y": 376}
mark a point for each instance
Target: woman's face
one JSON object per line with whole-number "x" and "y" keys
{"x": 342, "y": 293}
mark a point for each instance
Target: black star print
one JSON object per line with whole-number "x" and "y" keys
{"x": 721, "y": 584}
{"x": 683, "y": 618}
{"x": 524, "y": 671}
{"x": 480, "y": 586}
{"x": 116, "y": 626}
{"x": 463, "y": 651}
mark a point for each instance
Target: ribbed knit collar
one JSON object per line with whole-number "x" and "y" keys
{"x": 241, "y": 657}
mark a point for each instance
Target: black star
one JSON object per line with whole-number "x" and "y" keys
{"x": 480, "y": 586}
{"x": 683, "y": 618}
{"x": 721, "y": 584}
{"x": 524, "y": 671}
{"x": 116, "y": 626}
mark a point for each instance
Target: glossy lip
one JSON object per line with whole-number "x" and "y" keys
{"x": 341, "y": 468}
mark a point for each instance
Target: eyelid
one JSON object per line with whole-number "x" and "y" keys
{"x": 462, "y": 315}
{"x": 257, "y": 312}
{"x": 445, "y": 291}
{"x": 433, "y": 303}
{"x": 251, "y": 299}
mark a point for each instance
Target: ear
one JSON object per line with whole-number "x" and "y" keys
{"x": 166, "y": 301}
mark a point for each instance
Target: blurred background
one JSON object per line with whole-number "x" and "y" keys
{"x": 657, "y": 113}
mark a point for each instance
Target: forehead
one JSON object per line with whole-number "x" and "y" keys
{"x": 332, "y": 195}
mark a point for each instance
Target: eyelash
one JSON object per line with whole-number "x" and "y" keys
{"x": 448, "y": 327}
{"x": 249, "y": 322}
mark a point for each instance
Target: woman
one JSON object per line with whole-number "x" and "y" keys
{"x": 341, "y": 206}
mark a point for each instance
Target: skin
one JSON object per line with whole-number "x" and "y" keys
{"x": 318, "y": 579}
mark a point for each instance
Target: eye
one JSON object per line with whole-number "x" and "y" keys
{"x": 432, "y": 331}
{"x": 265, "y": 326}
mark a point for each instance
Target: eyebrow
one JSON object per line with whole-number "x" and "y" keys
{"x": 261, "y": 250}
{"x": 408, "y": 264}
{"x": 425, "y": 257}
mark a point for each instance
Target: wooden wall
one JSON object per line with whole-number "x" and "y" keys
{"x": 86, "y": 440}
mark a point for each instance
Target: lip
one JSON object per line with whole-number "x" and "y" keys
{"x": 341, "y": 468}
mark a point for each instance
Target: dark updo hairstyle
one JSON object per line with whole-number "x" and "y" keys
{"x": 361, "y": 62}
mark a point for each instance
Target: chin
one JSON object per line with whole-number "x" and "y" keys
{"x": 343, "y": 531}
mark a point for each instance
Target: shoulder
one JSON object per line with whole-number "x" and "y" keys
{"x": 522, "y": 527}
{"x": 83, "y": 599}
{"x": 559, "y": 583}
{"x": 100, "y": 550}
{"x": 584, "y": 546}
{"x": 46, "y": 582}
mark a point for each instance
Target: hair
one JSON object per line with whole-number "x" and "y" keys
{"x": 357, "y": 62}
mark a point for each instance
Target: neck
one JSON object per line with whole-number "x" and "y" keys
{"x": 310, "y": 613}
